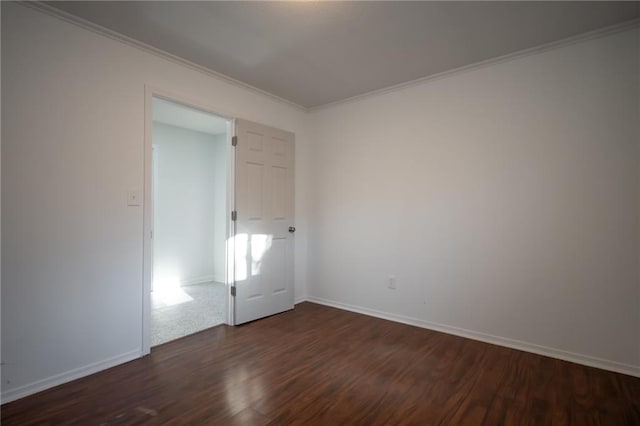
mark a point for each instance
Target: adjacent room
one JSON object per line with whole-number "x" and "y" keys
{"x": 189, "y": 149}
{"x": 314, "y": 212}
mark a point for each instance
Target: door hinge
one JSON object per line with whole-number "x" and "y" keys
{"x": 234, "y": 215}
{"x": 233, "y": 291}
{"x": 234, "y": 141}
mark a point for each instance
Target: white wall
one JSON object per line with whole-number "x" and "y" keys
{"x": 504, "y": 200}
{"x": 190, "y": 206}
{"x": 73, "y": 131}
{"x": 219, "y": 166}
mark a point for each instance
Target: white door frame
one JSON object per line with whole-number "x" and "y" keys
{"x": 147, "y": 268}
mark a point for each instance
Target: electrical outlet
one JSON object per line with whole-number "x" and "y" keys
{"x": 392, "y": 282}
{"x": 133, "y": 197}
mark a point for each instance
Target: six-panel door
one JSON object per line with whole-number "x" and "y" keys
{"x": 264, "y": 204}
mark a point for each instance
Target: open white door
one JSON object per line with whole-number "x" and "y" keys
{"x": 264, "y": 221}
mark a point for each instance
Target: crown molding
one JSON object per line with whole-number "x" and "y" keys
{"x": 99, "y": 29}
{"x": 599, "y": 33}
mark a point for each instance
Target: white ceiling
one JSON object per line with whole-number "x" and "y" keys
{"x": 188, "y": 118}
{"x": 314, "y": 53}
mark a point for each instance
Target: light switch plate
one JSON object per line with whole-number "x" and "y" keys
{"x": 133, "y": 197}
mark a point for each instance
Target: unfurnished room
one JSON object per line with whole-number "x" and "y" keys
{"x": 320, "y": 212}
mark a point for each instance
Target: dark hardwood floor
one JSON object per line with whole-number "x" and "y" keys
{"x": 319, "y": 365}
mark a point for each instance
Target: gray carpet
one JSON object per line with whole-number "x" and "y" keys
{"x": 186, "y": 310}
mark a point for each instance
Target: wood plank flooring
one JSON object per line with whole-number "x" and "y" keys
{"x": 319, "y": 365}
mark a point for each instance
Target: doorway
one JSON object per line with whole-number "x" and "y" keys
{"x": 189, "y": 216}
{"x": 257, "y": 214}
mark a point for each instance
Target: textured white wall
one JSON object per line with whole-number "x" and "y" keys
{"x": 188, "y": 231}
{"x": 504, "y": 200}
{"x": 73, "y": 129}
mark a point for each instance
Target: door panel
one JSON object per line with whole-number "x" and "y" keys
{"x": 264, "y": 204}
{"x": 255, "y": 191}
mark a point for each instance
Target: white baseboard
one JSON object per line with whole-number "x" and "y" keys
{"x": 58, "y": 379}
{"x": 198, "y": 280}
{"x": 632, "y": 370}
{"x": 300, "y": 300}
{"x": 40, "y": 385}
